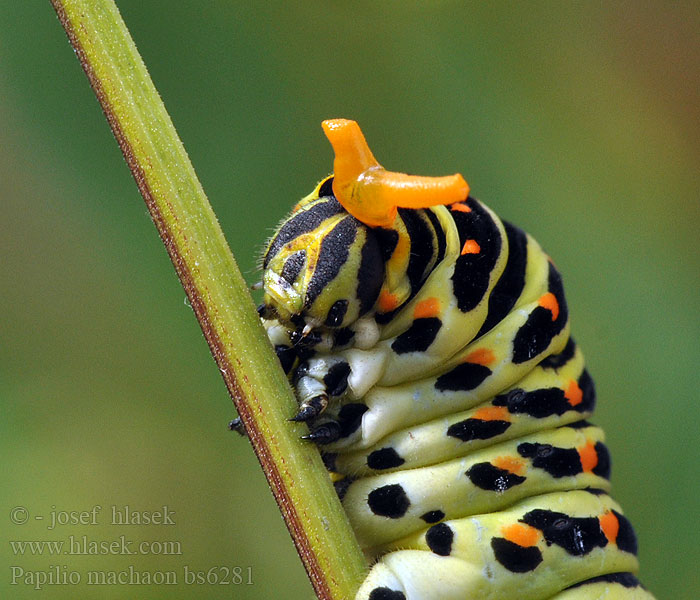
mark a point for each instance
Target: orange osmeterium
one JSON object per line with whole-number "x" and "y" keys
{"x": 369, "y": 192}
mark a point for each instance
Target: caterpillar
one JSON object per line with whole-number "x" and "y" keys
{"x": 428, "y": 344}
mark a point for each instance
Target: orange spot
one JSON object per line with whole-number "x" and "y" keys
{"x": 610, "y": 526}
{"x": 387, "y": 301}
{"x": 521, "y": 534}
{"x": 471, "y": 247}
{"x": 588, "y": 456}
{"x": 482, "y": 356}
{"x": 573, "y": 393}
{"x": 492, "y": 413}
{"x": 510, "y": 463}
{"x": 430, "y": 307}
{"x": 460, "y": 207}
{"x": 296, "y": 207}
{"x": 549, "y": 301}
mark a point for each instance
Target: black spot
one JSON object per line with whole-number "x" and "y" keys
{"x": 350, "y": 418}
{"x": 326, "y": 188}
{"x": 535, "y": 335}
{"x": 384, "y": 593}
{"x": 472, "y": 273}
{"x": 492, "y": 479}
{"x": 512, "y": 281}
{"x": 293, "y": 266}
{"x": 418, "y": 337}
{"x": 387, "y": 238}
{"x": 333, "y": 254}
{"x": 336, "y": 380}
{"x": 555, "y": 361}
{"x": 602, "y": 469}
{"x": 578, "y": 536}
{"x": 336, "y": 313}
{"x": 384, "y": 318}
{"x": 440, "y": 234}
{"x": 540, "y": 403}
{"x": 515, "y": 558}
{"x": 342, "y": 337}
{"x": 626, "y": 538}
{"x": 585, "y": 382}
{"x": 558, "y": 462}
{"x": 582, "y": 424}
{"x": 389, "y": 501}
{"x": 439, "y": 539}
{"x": 595, "y": 491}
{"x": 370, "y": 275}
{"x": 300, "y": 223}
{"x": 624, "y": 579}
{"x": 476, "y": 429}
{"x": 286, "y": 355}
{"x": 384, "y": 458}
{"x": 464, "y": 377}
{"x": 422, "y": 238}
{"x": 433, "y": 516}
{"x": 546, "y": 402}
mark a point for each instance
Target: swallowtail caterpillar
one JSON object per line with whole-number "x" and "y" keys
{"x": 428, "y": 344}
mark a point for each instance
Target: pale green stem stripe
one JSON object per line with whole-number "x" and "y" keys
{"x": 217, "y": 292}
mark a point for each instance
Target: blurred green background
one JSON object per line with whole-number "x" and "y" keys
{"x": 577, "y": 121}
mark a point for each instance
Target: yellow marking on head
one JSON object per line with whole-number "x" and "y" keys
{"x": 372, "y": 194}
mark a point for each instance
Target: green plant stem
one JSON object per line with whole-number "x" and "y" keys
{"x": 217, "y": 293}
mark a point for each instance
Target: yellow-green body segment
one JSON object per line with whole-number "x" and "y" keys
{"x": 433, "y": 362}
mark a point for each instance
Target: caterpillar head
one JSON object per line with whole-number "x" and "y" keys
{"x": 322, "y": 264}
{"x": 325, "y": 263}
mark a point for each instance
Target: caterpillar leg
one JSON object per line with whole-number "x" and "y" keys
{"x": 237, "y": 426}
